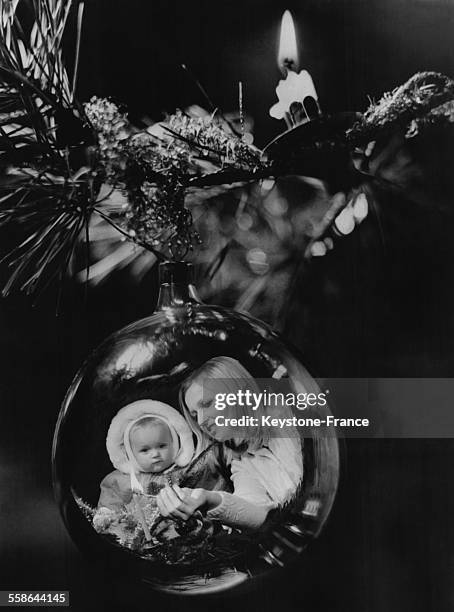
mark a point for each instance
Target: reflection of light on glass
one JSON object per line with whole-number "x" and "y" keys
{"x": 329, "y": 243}
{"x": 276, "y": 206}
{"x": 267, "y": 185}
{"x": 258, "y": 261}
{"x": 318, "y": 249}
{"x": 360, "y": 207}
{"x": 271, "y": 558}
{"x": 280, "y": 371}
{"x": 245, "y": 222}
{"x": 170, "y": 314}
{"x": 181, "y": 367}
{"x": 344, "y": 222}
{"x": 134, "y": 357}
{"x": 196, "y": 330}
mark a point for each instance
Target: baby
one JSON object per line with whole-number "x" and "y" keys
{"x": 152, "y": 445}
{"x": 149, "y": 443}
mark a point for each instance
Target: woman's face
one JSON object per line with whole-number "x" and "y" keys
{"x": 201, "y": 403}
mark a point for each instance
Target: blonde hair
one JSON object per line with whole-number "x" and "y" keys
{"x": 233, "y": 377}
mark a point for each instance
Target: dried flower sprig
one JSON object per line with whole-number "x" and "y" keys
{"x": 155, "y": 182}
{"x": 112, "y": 130}
{"x": 154, "y": 170}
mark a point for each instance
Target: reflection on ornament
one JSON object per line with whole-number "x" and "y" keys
{"x": 329, "y": 243}
{"x": 318, "y": 249}
{"x": 345, "y": 222}
{"x": 280, "y": 371}
{"x": 266, "y": 185}
{"x": 245, "y": 222}
{"x": 360, "y": 207}
{"x": 132, "y": 358}
{"x": 154, "y": 359}
{"x": 258, "y": 261}
{"x": 276, "y": 205}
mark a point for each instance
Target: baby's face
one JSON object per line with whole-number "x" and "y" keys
{"x": 152, "y": 447}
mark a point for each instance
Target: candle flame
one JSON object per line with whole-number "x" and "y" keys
{"x": 287, "y": 58}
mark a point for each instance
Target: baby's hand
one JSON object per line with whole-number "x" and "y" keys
{"x": 180, "y": 502}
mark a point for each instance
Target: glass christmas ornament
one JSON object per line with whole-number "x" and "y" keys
{"x": 143, "y": 388}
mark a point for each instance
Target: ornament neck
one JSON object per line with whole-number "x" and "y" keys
{"x": 175, "y": 285}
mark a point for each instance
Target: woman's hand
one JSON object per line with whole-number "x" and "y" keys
{"x": 180, "y": 502}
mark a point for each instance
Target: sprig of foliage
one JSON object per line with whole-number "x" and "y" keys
{"x": 411, "y": 104}
{"x": 154, "y": 171}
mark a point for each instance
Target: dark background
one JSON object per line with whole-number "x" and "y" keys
{"x": 389, "y": 543}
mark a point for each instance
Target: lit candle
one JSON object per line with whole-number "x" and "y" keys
{"x": 296, "y": 90}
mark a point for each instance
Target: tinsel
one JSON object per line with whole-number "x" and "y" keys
{"x": 440, "y": 115}
{"x": 212, "y": 142}
{"x": 414, "y": 103}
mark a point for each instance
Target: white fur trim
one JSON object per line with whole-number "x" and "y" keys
{"x": 133, "y": 412}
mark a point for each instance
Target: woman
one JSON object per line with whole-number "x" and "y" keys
{"x": 264, "y": 472}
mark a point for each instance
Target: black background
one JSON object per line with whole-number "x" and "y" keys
{"x": 389, "y": 544}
